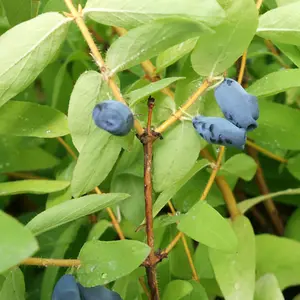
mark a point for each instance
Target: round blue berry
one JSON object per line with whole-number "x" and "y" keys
{"x": 98, "y": 293}
{"x": 66, "y": 289}
{"x": 238, "y": 107}
{"x": 219, "y": 131}
{"x": 114, "y": 117}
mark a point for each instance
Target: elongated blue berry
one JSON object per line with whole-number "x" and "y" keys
{"x": 66, "y": 289}
{"x": 220, "y": 131}
{"x": 98, "y": 293}
{"x": 114, "y": 117}
{"x": 238, "y": 107}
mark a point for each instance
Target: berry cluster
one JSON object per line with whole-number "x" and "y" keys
{"x": 68, "y": 289}
{"x": 240, "y": 110}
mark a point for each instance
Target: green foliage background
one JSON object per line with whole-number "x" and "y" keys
{"x": 49, "y": 84}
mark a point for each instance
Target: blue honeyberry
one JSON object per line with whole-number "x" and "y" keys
{"x": 253, "y": 105}
{"x": 238, "y": 107}
{"x": 220, "y": 131}
{"x": 66, "y": 289}
{"x": 98, "y": 293}
{"x": 114, "y": 117}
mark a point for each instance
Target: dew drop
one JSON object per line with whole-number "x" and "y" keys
{"x": 104, "y": 275}
{"x": 48, "y": 131}
{"x": 93, "y": 268}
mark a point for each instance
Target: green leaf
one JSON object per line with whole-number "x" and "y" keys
{"x": 60, "y": 248}
{"x": 17, "y": 11}
{"x": 88, "y": 91}
{"x": 291, "y": 51}
{"x": 95, "y": 161}
{"x": 281, "y": 24}
{"x": 267, "y": 288}
{"x": 247, "y": 204}
{"x": 30, "y": 119}
{"x": 32, "y": 186}
{"x": 205, "y": 225}
{"x": 17, "y": 243}
{"x": 198, "y": 292}
{"x": 293, "y": 166}
{"x": 279, "y": 256}
{"x": 202, "y": 262}
{"x": 16, "y": 155}
{"x": 71, "y": 210}
{"x": 63, "y": 195}
{"x": 174, "y": 156}
{"x": 292, "y": 226}
{"x": 134, "y": 13}
{"x": 136, "y": 96}
{"x": 177, "y": 289}
{"x": 133, "y": 208}
{"x": 216, "y": 52}
{"x": 13, "y": 287}
{"x": 240, "y": 165}
{"x": 275, "y": 83}
{"x": 103, "y": 262}
{"x": 278, "y": 124}
{"x": 148, "y": 40}
{"x": 98, "y": 229}
{"x": 173, "y": 54}
{"x": 168, "y": 193}
{"x": 235, "y": 272}
{"x": 22, "y": 60}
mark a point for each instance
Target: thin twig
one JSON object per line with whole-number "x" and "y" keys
{"x": 185, "y": 246}
{"x": 45, "y": 262}
{"x": 173, "y": 243}
{"x": 213, "y": 174}
{"x": 242, "y": 67}
{"x": 151, "y": 260}
{"x": 205, "y": 84}
{"x": 263, "y": 188}
{"x": 266, "y": 152}
{"x": 224, "y": 188}
{"x": 144, "y": 287}
{"x": 67, "y": 147}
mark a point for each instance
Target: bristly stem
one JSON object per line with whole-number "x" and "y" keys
{"x": 151, "y": 260}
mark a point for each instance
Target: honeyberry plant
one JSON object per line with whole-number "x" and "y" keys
{"x": 114, "y": 120}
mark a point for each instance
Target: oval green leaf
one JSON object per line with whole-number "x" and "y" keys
{"x": 267, "y": 288}
{"x": 205, "y": 225}
{"x": 135, "y": 13}
{"x": 103, "y": 262}
{"x": 32, "y": 186}
{"x": 149, "y": 40}
{"x": 23, "y": 59}
{"x": 279, "y": 256}
{"x": 17, "y": 243}
{"x": 95, "y": 161}
{"x": 31, "y": 119}
{"x": 281, "y": 24}
{"x": 72, "y": 210}
{"x": 177, "y": 289}
{"x": 235, "y": 272}
{"x": 214, "y": 53}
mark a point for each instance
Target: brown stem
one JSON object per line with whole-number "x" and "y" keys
{"x": 151, "y": 260}
{"x": 264, "y": 190}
